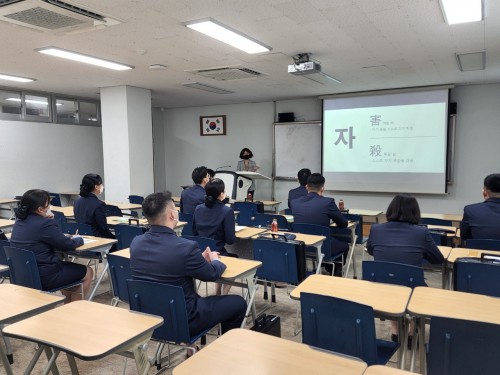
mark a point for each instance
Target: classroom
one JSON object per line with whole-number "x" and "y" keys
{"x": 148, "y": 134}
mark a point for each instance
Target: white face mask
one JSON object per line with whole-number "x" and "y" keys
{"x": 48, "y": 213}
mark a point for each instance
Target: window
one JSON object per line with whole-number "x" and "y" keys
{"x": 10, "y": 105}
{"x": 88, "y": 114}
{"x": 37, "y": 107}
{"x": 66, "y": 111}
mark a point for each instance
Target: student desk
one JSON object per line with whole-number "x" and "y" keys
{"x": 387, "y": 300}
{"x": 66, "y": 328}
{"x": 384, "y": 370}
{"x": 460, "y": 252}
{"x": 246, "y": 352}
{"x": 10, "y": 203}
{"x": 236, "y": 268}
{"x": 367, "y": 213}
{"x": 115, "y": 220}
{"x": 96, "y": 245}
{"x": 6, "y": 224}
{"x": 454, "y": 218}
{"x": 66, "y": 211}
{"x": 17, "y": 303}
{"x": 69, "y": 197}
{"x": 248, "y": 232}
{"x": 428, "y": 302}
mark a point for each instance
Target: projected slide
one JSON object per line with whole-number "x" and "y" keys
{"x": 393, "y": 143}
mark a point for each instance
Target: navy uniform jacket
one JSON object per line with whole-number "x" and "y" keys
{"x": 481, "y": 220}
{"x": 217, "y": 223}
{"x": 315, "y": 209}
{"x": 91, "y": 210}
{"x": 301, "y": 191}
{"x": 159, "y": 255}
{"x": 42, "y": 236}
{"x": 404, "y": 243}
{"x": 192, "y": 197}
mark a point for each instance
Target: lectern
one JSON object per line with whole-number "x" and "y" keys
{"x": 237, "y": 183}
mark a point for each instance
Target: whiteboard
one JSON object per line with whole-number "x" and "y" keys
{"x": 296, "y": 146}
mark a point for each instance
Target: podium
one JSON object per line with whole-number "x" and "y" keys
{"x": 237, "y": 183}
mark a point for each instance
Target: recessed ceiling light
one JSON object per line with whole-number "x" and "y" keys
{"x": 462, "y": 11}
{"x": 470, "y": 61}
{"x": 202, "y": 86}
{"x": 219, "y": 31}
{"x": 9, "y": 77}
{"x": 75, "y": 56}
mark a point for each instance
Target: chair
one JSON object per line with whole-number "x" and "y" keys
{"x": 23, "y": 269}
{"x": 473, "y": 276}
{"x": 483, "y": 244}
{"x": 203, "y": 242}
{"x": 135, "y": 199}
{"x": 345, "y": 235}
{"x": 119, "y": 270}
{"x": 126, "y": 233}
{"x": 187, "y": 230}
{"x": 168, "y": 302}
{"x": 113, "y": 210}
{"x": 343, "y": 326}
{"x": 433, "y": 221}
{"x": 83, "y": 229}
{"x": 326, "y": 247}
{"x": 462, "y": 347}
{"x": 55, "y": 199}
{"x": 60, "y": 219}
{"x": 360, "y": 239}
{"x": 288, "y": 211}
{"x": 393, "y": 273}
{"x": 247, "y": 210}
{"x": 265, "y": 220}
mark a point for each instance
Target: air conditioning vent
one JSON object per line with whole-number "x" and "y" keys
{"x": 228, "y": 73}
{"x": 50, "y": 15}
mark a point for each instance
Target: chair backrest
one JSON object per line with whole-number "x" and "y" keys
{"x": 393, "y": 273}
{"x": 3, "y": 257}
{"x": 279, "y": 260}
{"x": 119, "y": 269}
{"x": 126, "y": 233}
{"x": 339, "y": 325}
{"x": 318, "y": 230}
{"x": 83, "y": 229}
{"x": 462, "y": 347}
{"x": 203, "y": 242}
{"x": 288, "y": 211}
{"x": 163, "y": 300}
{"x": 474, "y": 276}
{"x": 135, "y": 199}
{"x": 265, "y": 220}
{"x": 60, "y": 219}
{"x": 247, "y": 212}
{"x": 439, "y": 238}
{"x": 23, "y": 267}
{"x": 359, "y": 227}
{"x": 433, "y": 221}
{"x": 483, "y": 244}
{"x": 113, "y": 210}
{"x": 187, "y": 230}
{"x": 55, "y": 199}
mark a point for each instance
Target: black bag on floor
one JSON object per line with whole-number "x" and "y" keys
{"x": 268, "y": 324}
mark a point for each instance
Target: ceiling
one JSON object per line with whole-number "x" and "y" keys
{"x": 366, "y": 44}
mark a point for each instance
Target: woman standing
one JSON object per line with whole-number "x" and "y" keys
{"x": 247, "y": 165}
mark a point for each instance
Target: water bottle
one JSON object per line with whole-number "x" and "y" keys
{"x": 341, "y": 205}
{"x": 274, "y": 225}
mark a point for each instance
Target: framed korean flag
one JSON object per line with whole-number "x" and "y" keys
{"x": 213, "y": 125}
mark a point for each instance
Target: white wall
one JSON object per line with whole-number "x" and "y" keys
{"x": 477, "y": 146}
{"x": 53, "y": 157}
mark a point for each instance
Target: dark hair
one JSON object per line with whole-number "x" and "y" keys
{"x": 89, "y": 181}
{"x": 246, "y": 150}
{"x": 492, "y": 183}
{"x": 404, "y": 208}
{"x": 212, "y": 190}
{"x": 154, "y": 204}
{"x": 315, "y": 181}
{"x": 199, "y": 174}
{"x": 303, "y": 175}
{"x": 30, "y": 201}
{"x": 211, "y": 172}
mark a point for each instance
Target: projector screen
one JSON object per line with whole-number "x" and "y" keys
{"x": 386, "y": 143}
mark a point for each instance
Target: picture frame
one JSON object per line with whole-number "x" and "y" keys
{"x": 213, "y": 125}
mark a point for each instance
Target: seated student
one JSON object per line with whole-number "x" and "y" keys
{"x": 195, "y": 195}
{"x": 402, "y": 240}
{"x": 314, "y": 208}
{"x": 177, "y": 261}
{"x": 300, "y": 191}
{"x": 35, "y": 230}
{"x": 482, "y": 220}
{"x": 211, "y": 174}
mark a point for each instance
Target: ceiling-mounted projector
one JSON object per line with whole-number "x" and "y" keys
{"x": 308, "y": 67}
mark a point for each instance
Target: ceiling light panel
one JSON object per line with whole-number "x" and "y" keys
{"x": 9, "y": 77}
{"x": 202, "y": 86}
{"x": 462, "y": 11}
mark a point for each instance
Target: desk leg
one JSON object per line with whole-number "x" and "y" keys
{"x": 421, "y": 342}
{"x": 252, "y": 288}
{"x": 72, "y": 364}
{"x": 52, "y": 361}
{"x": 319, "y": 256}
{"x": 141, "y": 359}
{"x": 98, "y": 282}
{"x": 403, "y": 339}
{"x": 5, "y": 360}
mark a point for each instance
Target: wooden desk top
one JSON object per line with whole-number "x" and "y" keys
{"x": 237, "y": 267}
{"x": 72, "y": 328}
{"x": 309, "y": 239}
{"x": 461, "y": 252}
{"x": 385, "y": 370}
{"x": 5, "y": 223}
{"x": 176, "y": 199}
{"x": 362, "y": 212}
{"x": 67, "y": 210}
{"x": 264, "y": 354}
{"x": 114, "y": 220}
{"x": 8, "y": 200}
{"x": 452, "y": 217}
{"x": 427, "y": 301}
{"x": 3, "y": 267}
{"x": 70, "y": 193}
{"x": 97, "y": 243}
{"x": 266, "y": 203}
{"x": 122, "y": 253}
{"x": 385, "y": 298}
{"x": 445, "y": 250}
{"x": 19, "y": 302}
{"x": 248, "y": 232}
{"x": 125, "y": 205}
{"x": 438, "y": 227}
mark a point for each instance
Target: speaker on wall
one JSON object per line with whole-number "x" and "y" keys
{"x": 452, "y": 109}
{"x": 286, "y": 117}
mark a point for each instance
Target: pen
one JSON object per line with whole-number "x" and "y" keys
{"x": 76, "y": 234}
